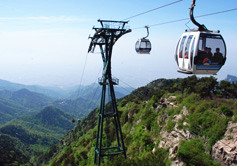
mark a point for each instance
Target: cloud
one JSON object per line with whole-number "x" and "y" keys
{"x": 46, "y": 19}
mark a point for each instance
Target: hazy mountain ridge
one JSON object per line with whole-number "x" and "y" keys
{"x": 94, "y": 91}
{"x": 78, "y": 106}
{"x": 53, "y": 92}
{"x": 23, "y": 99}
{"x": 231, "y": 78}
{"x": 28, "y": 99}
{"x": 85, "y": 91}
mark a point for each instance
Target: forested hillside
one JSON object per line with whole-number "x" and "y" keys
{"x": 10, "y": 110}
{"x": 175, "y": 121}
{"x": 28, "y": 99}
{"x": 14, "y": 104}
{"x": 23, "y": 139}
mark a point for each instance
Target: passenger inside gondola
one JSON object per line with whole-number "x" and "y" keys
{"x": 181, "y": 54}
{"x": 207, "y": 57}
{"x": 202, "y": 54}
{"x": 218, "y": 57}
{"x": 209, "y": 54}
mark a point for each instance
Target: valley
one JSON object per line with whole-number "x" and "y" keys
{"x": 31, "y": 123}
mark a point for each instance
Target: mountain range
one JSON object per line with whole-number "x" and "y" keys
{"x": 17, "y": 99}
{"x": 33, "y": 118}
{"x": 165, "y": 122}
{"x": 53, "y": 92}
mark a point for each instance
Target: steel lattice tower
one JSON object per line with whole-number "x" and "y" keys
{"x": 105, "y": 37}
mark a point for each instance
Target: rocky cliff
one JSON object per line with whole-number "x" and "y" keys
{"x": 225, "y": 150}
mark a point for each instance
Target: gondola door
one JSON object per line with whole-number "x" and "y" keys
{"x": 181, "y": 52}
{"x": 187, "y": 51}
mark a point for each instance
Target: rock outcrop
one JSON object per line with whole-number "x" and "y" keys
{"x": 171, "y": 140}
{"x": 225, "y": 150}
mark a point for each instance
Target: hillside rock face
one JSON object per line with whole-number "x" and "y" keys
{"x": 225, "y": 150}
{"x": 171, "y": 140}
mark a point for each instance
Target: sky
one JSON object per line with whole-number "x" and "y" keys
{"x": 45, "y": 42}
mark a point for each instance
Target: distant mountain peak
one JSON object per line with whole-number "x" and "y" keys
{"x": 24, "y": 90}
{"x": 231, "y": 78}
{"x": 53, "y": 116}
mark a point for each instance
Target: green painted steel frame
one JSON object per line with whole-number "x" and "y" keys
{"x": 106, "y": 38}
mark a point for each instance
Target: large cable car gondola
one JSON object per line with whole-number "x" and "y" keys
{"x": 143, "y": 45}
{"x": 200, "y": 51}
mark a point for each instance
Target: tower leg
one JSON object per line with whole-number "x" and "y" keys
{"x": 100, "y": 143}
{"x": 100, "y": 127}
{"x": 121, "y": 136}
{"x": 116, "y": 119}
{"x": 97, "y": 138}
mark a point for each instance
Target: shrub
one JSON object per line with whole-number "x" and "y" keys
{"x": 170, "y": 112}
{"x": 235, "y": 117}
{"x": 159, "y": 157}
{"x": 170, "y": 125}
{"x": 193, "y": 153}
{"x": 226, "y": 111}
{"x": 123, "y": 102}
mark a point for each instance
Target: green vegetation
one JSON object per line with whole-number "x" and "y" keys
{"x": 193, "y": 153}
{"x": 10, "y": 110}
{"x": 12, "y": 151}
{"x": 19, "y": 103}
{"x": 148, "y": 115}
{"x": 25, "y": 139}
{"x": 145, "y": 115}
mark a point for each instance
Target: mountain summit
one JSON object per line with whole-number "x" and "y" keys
{"x": 231, "y": 78}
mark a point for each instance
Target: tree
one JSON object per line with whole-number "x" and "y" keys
{"x": 227, "y": 89}
{"x": 206, "y": 86}
{"x": 188, "y": 84}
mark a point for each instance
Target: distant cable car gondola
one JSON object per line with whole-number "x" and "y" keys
{"x": 200, "y": 51}
{"x": 143, "y": 45}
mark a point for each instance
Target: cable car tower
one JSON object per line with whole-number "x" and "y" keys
{"x": 105, "y": 37}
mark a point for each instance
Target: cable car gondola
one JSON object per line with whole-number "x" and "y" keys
{"x": 143, "y": 45}
{"x": 200, "y": 51}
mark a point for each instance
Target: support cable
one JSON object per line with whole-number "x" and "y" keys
{"x": 82, "y": 75}
{"x": 89, "y": 105}
{"x": 183, "y": 19}
{"x": 153, "y": 9}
